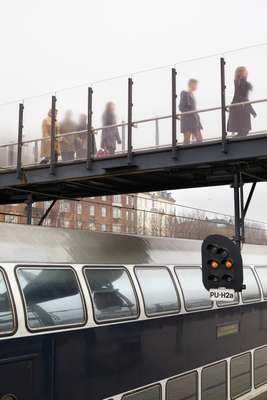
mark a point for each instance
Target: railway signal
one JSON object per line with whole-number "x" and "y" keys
{"x": 222, "y": 265}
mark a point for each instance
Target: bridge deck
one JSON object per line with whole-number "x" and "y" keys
{"x": 197, "y": 165}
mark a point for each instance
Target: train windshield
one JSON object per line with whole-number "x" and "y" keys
{"x": 112, "y": 293}
{"x": 6, "y": 314}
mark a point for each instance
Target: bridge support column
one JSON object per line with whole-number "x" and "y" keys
{"x": 29, "y": 203}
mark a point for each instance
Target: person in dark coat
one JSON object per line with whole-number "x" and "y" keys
{"x": 81, "y": 138}
{"x": 190, "y": 123}
{"x": 240, "y": 116}
{"x": 110, "y": 135}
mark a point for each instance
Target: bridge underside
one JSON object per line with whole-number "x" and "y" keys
{"x": 192, "y": 166}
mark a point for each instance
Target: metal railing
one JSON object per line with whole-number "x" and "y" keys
{"x": 126, "y": 127}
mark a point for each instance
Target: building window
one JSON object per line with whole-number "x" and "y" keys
{"x": 116, "y": 228}
{"x": 132, "y": 216}
{"x": 117, "y": 198}
{"x": 127, "y": 215}
{"x": 116, "y": 212}
{"x": 103, "y": 228}
{"x": 103, "y": 212}
{"x": 92, "y": 226}
{"x": 92, "y": 211}
{"x": 104, "y": 198}
{"x": 46, "y": 204}
{"x": 48, "y": 222}
{"x": 11, "y": 219}
{"x": 79, "y": 208}
{"x": 64, "y": 206}
{"x": 66, "y": 224}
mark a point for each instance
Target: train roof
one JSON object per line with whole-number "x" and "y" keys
{"x": 34, "y": 244}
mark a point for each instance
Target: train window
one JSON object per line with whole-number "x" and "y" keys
{"x": 52, "y": 297}
{"x": 214, "y": 382}
{"x": 183, "y": 387}
{"x": 240, "y": 375}
{"x": 158, "y": 289}
{"x": 195, "y": 295}
{"x": 260, "y": 366}
{"x": 151, "y": 393}
{"x": 112, "y": 293}
{"x": 263, "y": 279}
{"x": 252, "y": 291}
{"x": 7, "y": 324}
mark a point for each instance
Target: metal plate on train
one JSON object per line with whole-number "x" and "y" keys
{"x": 222, "y": 294}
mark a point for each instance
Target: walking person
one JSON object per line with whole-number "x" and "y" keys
{"x": 110, "y": 135}
{"x": 46, "y": 135}
{"x": 81, "y": 138}
{"x": 240, "y": 116}
{"x": 190, "y": 123}
{"x": 67, "y": 142}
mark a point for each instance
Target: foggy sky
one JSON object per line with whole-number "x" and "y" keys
{"x": 53, "y": 44}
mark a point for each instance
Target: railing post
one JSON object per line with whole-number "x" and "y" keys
{"x": 174, "y": 113}
{"x": 53, "y": 136}
{"x": 130, "y": 119}
{"x": 20, "y": 133}
{"x": 156, "y": 132}
{"x": 123, "y": 132}
{"x": 89, "y": 128}
{"x": 223, "y": 106}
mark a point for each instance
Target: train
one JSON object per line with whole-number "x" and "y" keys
{"x": 102, "y": 316}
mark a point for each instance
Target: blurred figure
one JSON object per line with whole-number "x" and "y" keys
{"x": 240, "y": 116}
{"x": 110, "y": 136}
{"x": 67, "y": 142}
{"x": 81, "y": 138}
{"x": 46, "y": 144}
{"x": 190, "y": 123}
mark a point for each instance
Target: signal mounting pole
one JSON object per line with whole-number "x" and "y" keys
{"x": 239, "y": 208}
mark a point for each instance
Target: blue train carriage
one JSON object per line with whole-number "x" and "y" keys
{"x": 104, "y": 316}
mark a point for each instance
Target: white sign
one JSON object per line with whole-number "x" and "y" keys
{"x": 222, "y": 294}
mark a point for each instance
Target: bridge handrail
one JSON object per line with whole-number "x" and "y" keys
{"x": 138, "y": 122}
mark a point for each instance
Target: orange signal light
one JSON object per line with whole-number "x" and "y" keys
{"x": 214, "y": 264}
{"x": 228, "y": 264}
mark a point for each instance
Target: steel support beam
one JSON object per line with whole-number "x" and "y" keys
{"x": 29, "y": 210}
{"x": 252, "y": 189}
{"x": 47, "y": 212}
{"x": 236, "y": 186}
